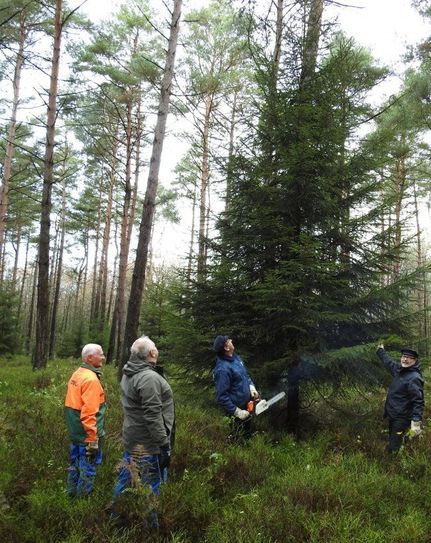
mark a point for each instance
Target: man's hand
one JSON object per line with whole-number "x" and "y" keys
{"x": 164, "y": 456}
{"x": 92, "y": 448}
{"x": 241, "y": 414}
{"x": 416, "y": 428}
{"x": 253, "y": 392}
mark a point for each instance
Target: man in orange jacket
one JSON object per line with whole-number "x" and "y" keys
{"x": 85, "y": 417}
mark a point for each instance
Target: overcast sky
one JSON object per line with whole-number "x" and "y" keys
{"x": 385, "y": 26}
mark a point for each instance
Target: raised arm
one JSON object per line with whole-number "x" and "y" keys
{"x": 386, "y": 359}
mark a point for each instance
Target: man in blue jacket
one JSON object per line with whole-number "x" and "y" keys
{"x": 234, "y": 387}
{"x": 405, "y": 398}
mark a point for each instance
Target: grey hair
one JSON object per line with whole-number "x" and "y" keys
{"x": 142, "y": 347}
{"x": 90, "y": 348}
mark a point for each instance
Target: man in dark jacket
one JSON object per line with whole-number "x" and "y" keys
{"x": 149, "y": 419}
{"x": 234, "y": 387}
{"x": 405, "y": 398}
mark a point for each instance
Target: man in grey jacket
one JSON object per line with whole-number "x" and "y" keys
{"x": 149, "y": 419}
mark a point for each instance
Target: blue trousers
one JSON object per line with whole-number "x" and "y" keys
{"x": 148, "y": 470}
{"x": 149, "y": 473}
{"x": 81, "y": 471}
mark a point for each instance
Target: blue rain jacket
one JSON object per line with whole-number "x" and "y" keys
{"x": 232, "y": 383}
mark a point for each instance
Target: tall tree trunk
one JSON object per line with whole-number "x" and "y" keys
{"x": 422, "y": 309}
{"x": 309, "y": 62}
{"x": 278, "y": 40}
{"x": 229, "y": 173}
{"x": 29, "y": 335}
{"x": 204, "y": 190}
{"x": 400, "y": 182}
{"x": 78, "y": 292}
{"x": 100, "y": 302}
{"x": 112, "y": 333}
{"x": 84, "y": 304}
{"x": 94, "y": 301}
{"x": 192, "y": 238}
{"x": 100, "y": 305}
{"x": 59, "y": 269}
{"x": 40, "y": 354}
{"x": 311, "y": 42}
{"x": 112, "y": 304}
{"x": 21, "y": 291}
{"x": 138, "y": 278}
{"x": 10, "y": 144}
{"x": 134, "y": 198}
{"x": 15, "y": 264}
{"x": 120, "y": 305}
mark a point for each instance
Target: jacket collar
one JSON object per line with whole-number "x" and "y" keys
{"x": 227, "y": 357}
{"x": 97, "y": 371}
{"x": 415, "y": 367}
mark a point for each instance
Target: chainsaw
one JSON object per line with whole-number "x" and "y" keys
{"x": 256, "y": 407}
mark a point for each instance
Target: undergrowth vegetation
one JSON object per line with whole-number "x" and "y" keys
{"x": 335, "y": 484}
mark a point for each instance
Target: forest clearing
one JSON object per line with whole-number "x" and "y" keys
{"x": 334, "y": 484}
{"x": 294, "y": 194}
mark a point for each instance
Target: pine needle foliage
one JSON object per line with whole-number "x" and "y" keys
{"x": 300, "y": 267}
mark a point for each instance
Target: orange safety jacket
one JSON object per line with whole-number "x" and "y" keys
{"x": 85, "y": 405}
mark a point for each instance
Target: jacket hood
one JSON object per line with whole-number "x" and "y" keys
{"x": 135, "y": 365}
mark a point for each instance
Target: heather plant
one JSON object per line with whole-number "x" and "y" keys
{"x": 334, "y": 484}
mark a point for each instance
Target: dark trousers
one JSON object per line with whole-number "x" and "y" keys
{"x": 240, "y": 429}
{"x": 397, "y": 430}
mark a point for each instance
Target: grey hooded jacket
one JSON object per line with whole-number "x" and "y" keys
{"x": 148, "y": 406}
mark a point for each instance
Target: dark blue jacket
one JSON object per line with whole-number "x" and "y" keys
{"x": 405, "y": 398}
{"x": 232, "y": 383}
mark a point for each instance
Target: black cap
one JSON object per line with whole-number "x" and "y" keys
{"x": 409, "y": 352}
{"x": 219, "y": 343}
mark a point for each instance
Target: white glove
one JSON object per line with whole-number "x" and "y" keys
{"x": 241, "y": 414}
{"x": 416, "y": 428}
{"x": 253, "y": 392}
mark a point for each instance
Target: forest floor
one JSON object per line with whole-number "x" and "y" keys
{"x": 334, "y": 484}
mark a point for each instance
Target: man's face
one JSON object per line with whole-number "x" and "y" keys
{"x": 96, "y": 359}
{"x": 153, "y": 355}
{"x": 228, "y": 347}
{"x": 407, "y": 360}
